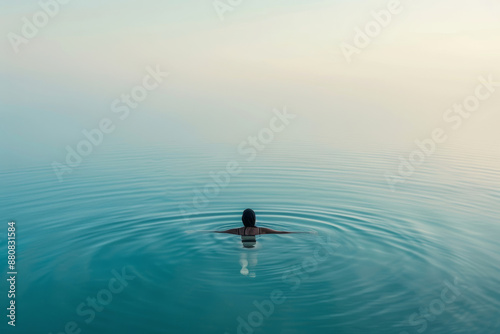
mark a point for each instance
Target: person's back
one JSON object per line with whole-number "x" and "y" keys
{"x": 253, "y": 230}
{"x": 249, "y": 229}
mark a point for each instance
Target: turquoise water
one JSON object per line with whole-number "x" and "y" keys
{"x": 422, "y": 258}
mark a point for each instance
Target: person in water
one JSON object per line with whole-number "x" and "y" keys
{"x": 248, "y": 233}
{"x": 249, "y": 229}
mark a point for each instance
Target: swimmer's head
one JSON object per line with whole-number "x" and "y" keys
{"x": 248, "y": 218}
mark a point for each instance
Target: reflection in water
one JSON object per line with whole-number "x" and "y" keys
{"x": 248, "y": 262}
{"x": 248, "y": 241}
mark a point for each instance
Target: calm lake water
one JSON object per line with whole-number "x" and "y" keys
{"x": 422, "y": 258}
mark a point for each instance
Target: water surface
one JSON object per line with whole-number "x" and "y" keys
{"x": 380, "y": 261}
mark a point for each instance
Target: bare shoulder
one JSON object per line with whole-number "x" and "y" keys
{"x": 265, "y": 230}
{"x": 230, "y": 231}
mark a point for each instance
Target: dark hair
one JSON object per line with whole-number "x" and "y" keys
{"x": 248, "y": 218}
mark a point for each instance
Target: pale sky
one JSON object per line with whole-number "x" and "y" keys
{"x": 227, "y": 76}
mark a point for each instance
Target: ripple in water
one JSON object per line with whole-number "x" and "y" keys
{"x": 377, "y": 262}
